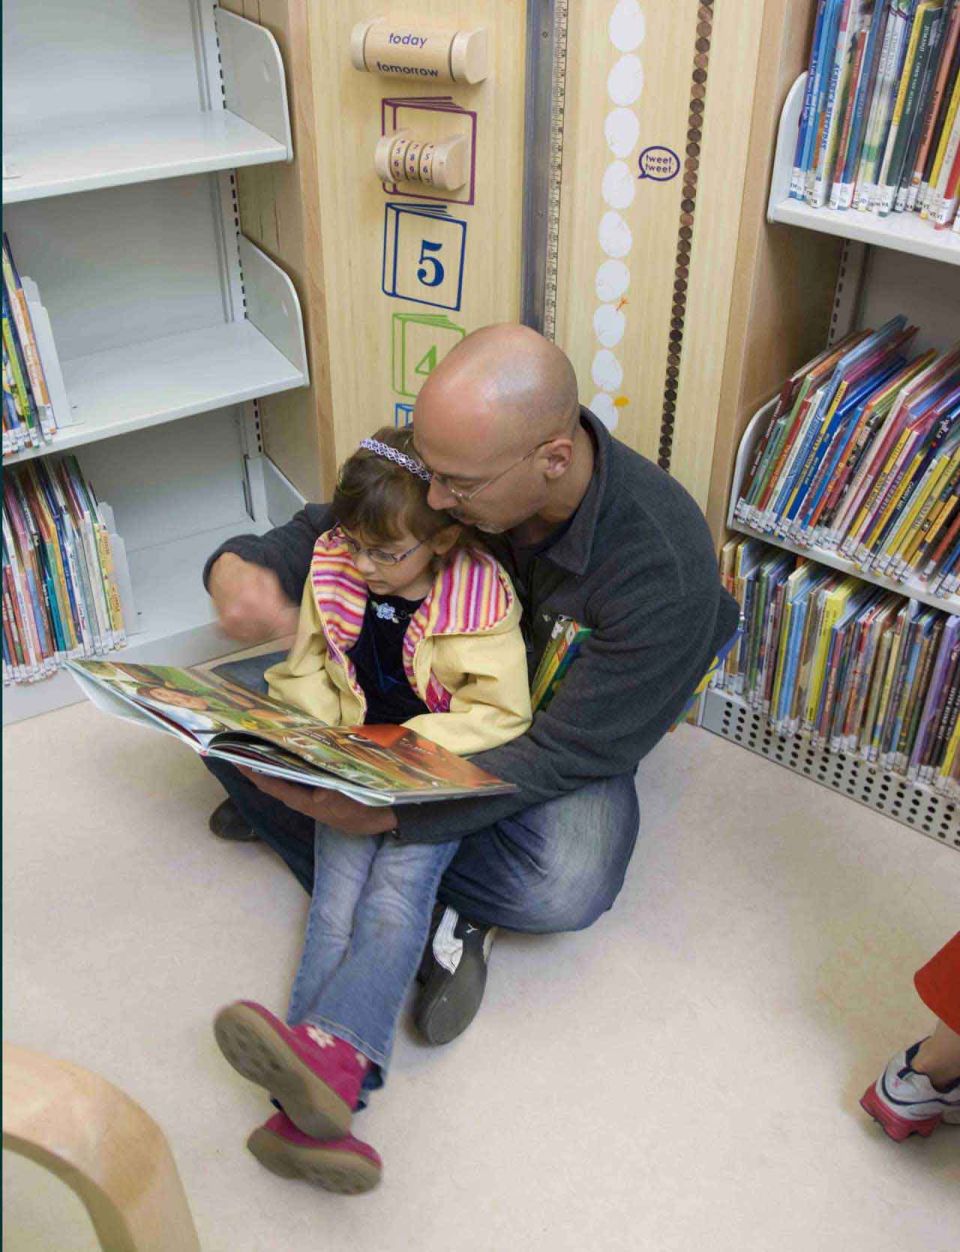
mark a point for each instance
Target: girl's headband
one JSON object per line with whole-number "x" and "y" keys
{"x": 398, "y": 458}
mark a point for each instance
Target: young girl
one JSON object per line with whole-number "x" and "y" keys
{"x": 399, "y": 623}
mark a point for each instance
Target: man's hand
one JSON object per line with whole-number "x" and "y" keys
{"x": 249, "y": 600}
{"x": 329, "y": 807}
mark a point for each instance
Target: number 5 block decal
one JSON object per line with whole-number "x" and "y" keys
{"x": 420, "y": 340}
{"x": 423, "y": 254}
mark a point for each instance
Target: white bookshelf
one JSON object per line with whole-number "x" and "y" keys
{"x": 903, "y": 232}
{"x": 123, "y": 125}
{"x": 142, "y": 384}
{"x": 114, "y": 151}
{"x": 243, "y": 120}
{"x": 824, "y": 556}
{"x": 897, "y": 264}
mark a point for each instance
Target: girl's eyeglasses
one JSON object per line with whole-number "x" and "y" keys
{"x": 379, "y": 556}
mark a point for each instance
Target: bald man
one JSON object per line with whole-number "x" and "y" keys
{"x": 588, "y": 530}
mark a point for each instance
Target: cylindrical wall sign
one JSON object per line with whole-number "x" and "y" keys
{"x": 422, "y": 53}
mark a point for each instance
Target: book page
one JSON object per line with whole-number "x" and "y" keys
{"x": 194, "y": 699}
{"x": 391, "y": 760}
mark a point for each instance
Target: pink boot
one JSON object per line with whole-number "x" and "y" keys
{"x": 315, "y": 1076}
{"x": 346, "y": 1165}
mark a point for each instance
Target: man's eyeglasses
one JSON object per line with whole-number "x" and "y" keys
{"x": 379, "y": 556}
{"x": 462, "y": 497}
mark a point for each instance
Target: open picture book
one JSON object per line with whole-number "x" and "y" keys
{"x": 376, "y": 765}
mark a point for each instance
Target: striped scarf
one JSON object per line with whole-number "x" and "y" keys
{"x": 468, "y": 595}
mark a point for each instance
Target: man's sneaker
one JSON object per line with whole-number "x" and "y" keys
{"x": 348, "y": 1165}
{"x": 907, "y": 1103}
{"x": 226, "y": 823}
{"x": 454, "y": 982}
{"x": 314, "y": 1075}
{"x": 427, "y": 963}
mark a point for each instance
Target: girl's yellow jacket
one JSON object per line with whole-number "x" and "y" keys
{"x": 463, "y": 652}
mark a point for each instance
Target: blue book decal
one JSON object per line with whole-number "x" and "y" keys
{"x": 424, "y": 251}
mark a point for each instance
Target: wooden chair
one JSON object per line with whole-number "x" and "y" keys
{"x": 103, "y": 1146}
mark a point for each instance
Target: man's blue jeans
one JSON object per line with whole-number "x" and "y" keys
{"x": 555, "y": 866}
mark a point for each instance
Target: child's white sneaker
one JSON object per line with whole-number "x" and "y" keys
{"x": 907, "y": 1103}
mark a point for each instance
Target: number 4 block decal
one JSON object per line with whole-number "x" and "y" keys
{"x": 423, "y": 255}
{"x": 420, "y": 340}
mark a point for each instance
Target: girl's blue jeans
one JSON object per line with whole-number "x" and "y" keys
{"x": 369, "y": 920}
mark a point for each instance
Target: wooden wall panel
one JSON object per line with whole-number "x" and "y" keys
{"x": 362, "y": 322}
{"x": 733, "y": 35}
{"x": 651, "y": 82}
{"x": 685, "y": 71}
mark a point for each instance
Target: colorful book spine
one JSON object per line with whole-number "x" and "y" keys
{"x": 807, "y": 114}
{"x": 947, "y": 212}
{"x": 928, "y": 203}
{"x": 61, "y": 597}
{"x": 28, "y": 415}
{"x": 940, "y": 90}
{"x": 878, "y": 130}
{"x": 946, "y": 713}
{"x": 563, "y": 647}
{"x": 888, "y": 73}
{"x": 850, "y": 667}
{"x": 820, "y": 70}
{"x": 862, "y": 457}
{"x": 922, "y": 43}
{"x": 863, "y": 102}
{"x": 859, "y": 52}
{"x": 942, "y": 204}
{"x": 909, "y": 68}
{"x": 836, "y": 98}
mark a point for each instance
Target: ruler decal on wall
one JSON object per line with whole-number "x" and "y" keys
{"x": 544, "y": 102}
{"x": 558, "y": 87}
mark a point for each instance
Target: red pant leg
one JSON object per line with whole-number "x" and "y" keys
{"x": 938, "y": 983}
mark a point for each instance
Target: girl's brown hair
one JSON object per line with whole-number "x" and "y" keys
{"x": 376, "y": 499}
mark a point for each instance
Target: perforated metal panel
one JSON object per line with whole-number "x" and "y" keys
{"x": 905, "y": 801}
